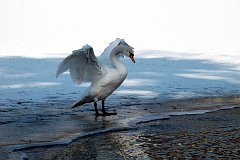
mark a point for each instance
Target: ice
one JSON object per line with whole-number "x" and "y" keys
{"x": 37, "y": 105}
{"x": 157, "y": 74}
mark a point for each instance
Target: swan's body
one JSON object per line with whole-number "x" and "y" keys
{"x": 105, "y": 77}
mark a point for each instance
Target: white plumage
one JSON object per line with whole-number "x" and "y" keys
{"x": 105, "y": 74}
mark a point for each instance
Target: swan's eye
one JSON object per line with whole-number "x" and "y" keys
{"x": 131, "y": 54}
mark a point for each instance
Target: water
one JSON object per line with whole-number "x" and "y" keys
{"x": 178, "y": 137}
{"x": 36, "y": 104}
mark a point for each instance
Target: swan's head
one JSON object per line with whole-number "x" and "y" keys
{"x": 127, "y": 50}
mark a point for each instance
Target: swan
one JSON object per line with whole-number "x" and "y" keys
{"x": 105, "y": 73}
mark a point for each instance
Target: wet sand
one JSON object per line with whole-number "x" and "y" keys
{"x": 212, "y": 135}
{"x": 208, "y": 136}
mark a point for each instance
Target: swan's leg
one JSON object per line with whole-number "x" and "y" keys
{"x": 104, "y": 110}
{"x": 103, "y": 107}
{"x": 96, "y": 110}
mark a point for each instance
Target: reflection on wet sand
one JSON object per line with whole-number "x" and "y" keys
{"x": 212, "y": 135}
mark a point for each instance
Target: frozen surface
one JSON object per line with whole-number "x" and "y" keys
{"x": 36, "y": 104}
{"x": 156, "y": 75}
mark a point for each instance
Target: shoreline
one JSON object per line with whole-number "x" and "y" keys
{"x": 209, "y": 135}
{"x": 127, "y": 115}
{"x": 175, "y": 105}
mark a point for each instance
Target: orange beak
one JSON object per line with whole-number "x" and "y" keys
{"x": 132, "y": 58}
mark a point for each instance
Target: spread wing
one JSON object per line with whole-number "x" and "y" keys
{"x": 83, "y": 66}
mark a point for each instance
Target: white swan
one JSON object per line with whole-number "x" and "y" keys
{"x": 105, "y": 77}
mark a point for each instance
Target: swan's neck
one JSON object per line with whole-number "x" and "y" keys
{"x": 116, "y": 62}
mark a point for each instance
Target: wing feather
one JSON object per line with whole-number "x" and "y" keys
{"x": 82, "y": 64}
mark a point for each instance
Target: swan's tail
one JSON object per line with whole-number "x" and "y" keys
{"x": 79, "y": 103}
